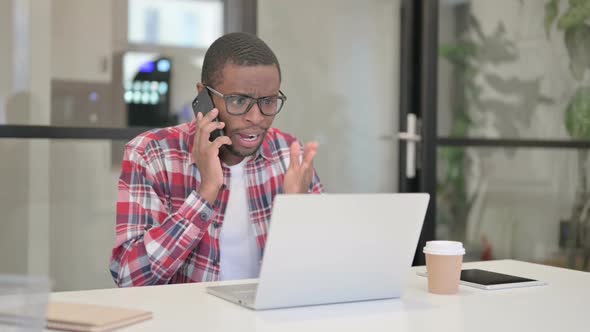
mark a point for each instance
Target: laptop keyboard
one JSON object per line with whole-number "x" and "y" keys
{"x": 244, "y": 292}
{"x": 247, "y": 297}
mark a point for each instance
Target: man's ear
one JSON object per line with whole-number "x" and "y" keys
{"x": 200, "y": 87}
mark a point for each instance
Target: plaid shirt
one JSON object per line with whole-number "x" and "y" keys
{"x": 166, "y": 232}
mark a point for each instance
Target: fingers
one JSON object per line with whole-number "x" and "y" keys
{"x": 309, "y": 153}
{"x": 300, "y": 173}
{"x": 204, "y": 119}
{"x": 198, "y": 120}
{"x": 205, "y": 126}
{"x": 209, "y": 117}
{"x": 210, "y": 127}
{"x": 221, "y": 140}
{"x": 205, "y": 133}
{"x": 295, "y": 151}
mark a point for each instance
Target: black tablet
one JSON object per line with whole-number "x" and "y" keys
{"x": 493, "y": 280}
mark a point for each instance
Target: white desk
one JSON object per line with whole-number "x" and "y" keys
{"x": 563, "y": 305}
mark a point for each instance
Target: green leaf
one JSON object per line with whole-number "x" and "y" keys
{"x": 577, "y": 114}
{"x": 577, "y": 41}
{"x": 576, "y": 3}
{"x": 576, "y": 14}
{"x": 461, "y": 125}
{"x": 551, "y": 11}
{"x": 458, "y": 54}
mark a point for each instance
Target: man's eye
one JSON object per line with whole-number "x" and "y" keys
{"x": 239, "y": 101}
{"x": 268, "y": 101}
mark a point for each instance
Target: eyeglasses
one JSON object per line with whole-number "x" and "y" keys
{"x": 238, "y": 104}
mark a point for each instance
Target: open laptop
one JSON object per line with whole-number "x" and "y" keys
{"x": 333, "y": 248}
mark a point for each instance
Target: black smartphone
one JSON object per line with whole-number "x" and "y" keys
{"x": 203, "y": 103}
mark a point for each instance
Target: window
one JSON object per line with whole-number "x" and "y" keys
{"x": 180, "y": 23}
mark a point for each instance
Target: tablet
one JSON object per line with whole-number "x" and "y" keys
{"x": 492, "y": 280}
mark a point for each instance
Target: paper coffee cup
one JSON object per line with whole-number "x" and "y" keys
{"x": 443, "y": 263}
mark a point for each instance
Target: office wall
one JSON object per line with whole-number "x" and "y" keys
{"x": 5, "y": 55}
{"x": 82, "y": 40}
{"x": 340, "y": 63}
{"x": 76, "y": 226}
{"x": 25, "y": 94}
{"x": 49, "y": 225}
{"x": 12, "y": 235}
{"x": 14, "y": 214}
{"x": 83, "y": 191}
{"x": 82, "y": 179}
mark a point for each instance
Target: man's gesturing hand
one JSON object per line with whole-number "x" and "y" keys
{"x": 300, "y": 173}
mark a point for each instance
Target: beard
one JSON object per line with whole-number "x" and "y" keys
{"x": 231, "y": 149}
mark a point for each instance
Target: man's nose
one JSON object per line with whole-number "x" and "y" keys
{"x": 254, "y": 115}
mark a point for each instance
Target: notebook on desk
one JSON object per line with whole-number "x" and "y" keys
{"x": 91, "y": 318}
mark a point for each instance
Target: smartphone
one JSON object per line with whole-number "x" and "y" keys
{"x": 203, "y": 103}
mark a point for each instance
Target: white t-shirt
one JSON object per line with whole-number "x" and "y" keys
{"x": 237, "y": 243}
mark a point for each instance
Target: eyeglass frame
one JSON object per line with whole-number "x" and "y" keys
{"x": 252, "y": 101}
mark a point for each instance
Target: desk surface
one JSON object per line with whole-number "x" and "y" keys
{"x": 563, "y": 305}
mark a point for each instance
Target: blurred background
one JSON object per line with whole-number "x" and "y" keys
{"x": 500, "y": 91}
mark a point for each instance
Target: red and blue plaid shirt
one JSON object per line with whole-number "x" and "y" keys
{"x": 166, "y": 232}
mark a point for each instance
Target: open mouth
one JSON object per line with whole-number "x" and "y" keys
{"x": 249, "y": 140}
{"x": 249, "y": 137}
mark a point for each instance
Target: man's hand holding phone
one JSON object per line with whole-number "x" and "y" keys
{"x": 206, "y": 154}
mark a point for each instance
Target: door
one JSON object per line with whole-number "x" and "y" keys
{"x": 417, "y": 116}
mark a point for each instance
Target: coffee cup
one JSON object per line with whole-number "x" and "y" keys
{"x": 443, "y": 263}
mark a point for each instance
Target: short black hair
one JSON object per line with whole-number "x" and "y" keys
{"x": 238, "y": 48}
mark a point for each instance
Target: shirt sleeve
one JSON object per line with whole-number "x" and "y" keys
{"x": 316, "y": 186}
{"x": 151, "y": 243}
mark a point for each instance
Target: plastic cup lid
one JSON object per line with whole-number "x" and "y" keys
{"x": 444, "y": 248}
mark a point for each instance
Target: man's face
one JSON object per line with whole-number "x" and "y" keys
{"x": 246, "y": 131}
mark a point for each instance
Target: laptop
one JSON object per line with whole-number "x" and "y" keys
{"x": 334, "y": 248}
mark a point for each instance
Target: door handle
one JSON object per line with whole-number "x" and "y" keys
{"x": 411, "y": 138}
